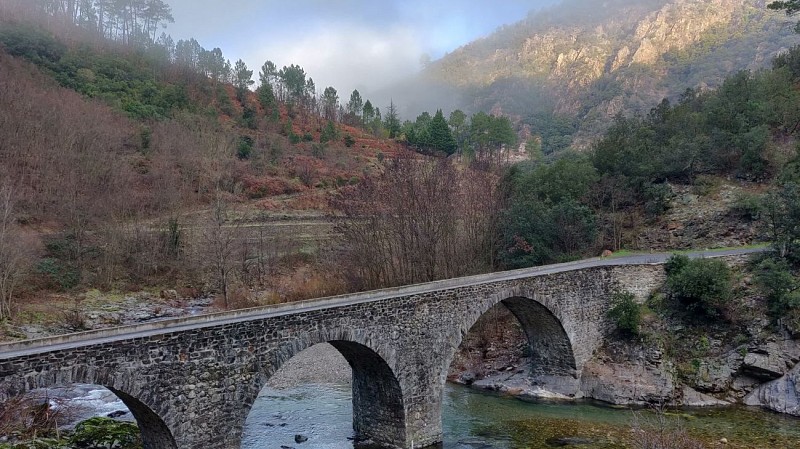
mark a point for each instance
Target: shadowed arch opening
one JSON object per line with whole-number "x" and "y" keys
{"x": 76, "y": 402}
{"x": 521, "y": 337}
{"x": 155, "y": 433}
{"x": 306, "y": 372}
{"x": 550, "y": 347}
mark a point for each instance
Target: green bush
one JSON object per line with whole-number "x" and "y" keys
{"x": 676, "y": 263}
{"x": 780, "y": 288}
{"x": 625, "y": 313}
{"x": 329, "y": 133}
{"x": 97, "y": 433}
{"x": 245, "y": 148}
{"x": 61, "y": 275}
{"x": 748, "y": 206}
{"x": 702, "y": 286}
{"x": 349, "y": 141}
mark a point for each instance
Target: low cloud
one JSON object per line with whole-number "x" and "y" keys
{"x": 346, "y": 57}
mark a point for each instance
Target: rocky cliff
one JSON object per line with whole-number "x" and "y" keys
{"x": 591, "y": 60}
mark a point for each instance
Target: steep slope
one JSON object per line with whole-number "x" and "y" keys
{"x": 584, "y": 62}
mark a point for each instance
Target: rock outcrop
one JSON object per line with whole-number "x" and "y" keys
{"x": 596, "y": 59}
{"x": 781, "y": 395}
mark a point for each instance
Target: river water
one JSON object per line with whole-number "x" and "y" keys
{"x": 474, "y": 419}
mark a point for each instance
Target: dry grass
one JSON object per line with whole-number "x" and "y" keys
{"x": 32, "y": 415}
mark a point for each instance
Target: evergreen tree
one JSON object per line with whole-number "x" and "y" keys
{"x": 354, "y": 108}
{"x": 439, "y": 136}
{"x": 330, "y": 103}
{"x": 243, "y": 79}
{"x": 392, "y": 121}
{"x": 368, "y": 113}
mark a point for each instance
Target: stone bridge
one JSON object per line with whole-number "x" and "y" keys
{"x": 190, "y": 382}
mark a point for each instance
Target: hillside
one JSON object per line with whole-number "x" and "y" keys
{"x": 568, "y": 70}
{"x": 123, "y": 167}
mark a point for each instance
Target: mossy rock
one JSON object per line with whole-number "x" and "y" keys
{"x": 106, "y": 433}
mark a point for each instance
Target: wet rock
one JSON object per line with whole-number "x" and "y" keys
{"x": 626, "y": 383}
{"x": 693, "y": 398}
{"x": 287, "y": 447}
{"x": 781, "y": 395}
{"x": 558, "y": 386}
{"x": 117, "y": 414}
{"x": 300, "y": 439}
{"x": 467, "y": 378}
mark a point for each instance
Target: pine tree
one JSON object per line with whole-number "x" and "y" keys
{"x": 439, "y": 136}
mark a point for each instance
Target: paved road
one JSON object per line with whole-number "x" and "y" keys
{"x": 29, "y": 347}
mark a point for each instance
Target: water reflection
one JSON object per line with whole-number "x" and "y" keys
{"x": 476, "y": 420}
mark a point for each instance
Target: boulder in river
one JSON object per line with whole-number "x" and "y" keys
{"x": 117, "y": 414}
{"x": 300, "y": 439}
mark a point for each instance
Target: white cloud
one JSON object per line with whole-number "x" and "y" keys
{"x": 345, "y": 56}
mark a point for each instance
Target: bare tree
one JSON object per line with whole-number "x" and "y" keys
{"x": 15, "y": 253}
{"x": 221, "y": 235}
{"x": 420, "y": 221}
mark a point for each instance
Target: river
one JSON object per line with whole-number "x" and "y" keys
{"x": 473, "y": 419}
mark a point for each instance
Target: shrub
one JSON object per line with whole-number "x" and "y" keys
{"x": 318, "y": 150}
{"x": 657, "y": 199}
{"x": 106, "y": 432}
{"x": 747, "y": 206}
{"x": 329, "y": 133}
{"x": 701, "y": 285}
{"x": 245, "y": 148}
{"x": 676, "y": 263}
{"x": 625, "y": 313}
{"x": 59, "y": 274}
{"x": 307, "y": 137}
{"x": 349, "y": 141}
{"x": 780, "y": 288}
{"x": 294, "y": 139}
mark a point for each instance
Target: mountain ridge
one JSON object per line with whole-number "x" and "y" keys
{"x": 589, "y": 64}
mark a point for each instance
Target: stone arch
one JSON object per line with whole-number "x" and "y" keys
{"x": 378, "y": 405}
{"x": 554, "y": 361}
{"x": 155, "y": 432}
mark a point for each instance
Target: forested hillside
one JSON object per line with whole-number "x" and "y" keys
{"x": 128, "y": 160}
{"x": 131, "y": 161}
{"x": 567, "y": 71}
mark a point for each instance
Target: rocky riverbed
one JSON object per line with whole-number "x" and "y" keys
{"x": 320, "y": 364}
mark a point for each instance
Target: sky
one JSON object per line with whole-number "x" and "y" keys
{"x": 348, "y": 44}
